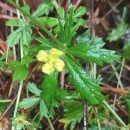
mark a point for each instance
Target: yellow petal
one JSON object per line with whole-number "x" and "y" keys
{"x": 47, "y": 68}
{"x": 59, "y": 65}
{"x": 55, "y": 52}
{"x": 42, "y": 56}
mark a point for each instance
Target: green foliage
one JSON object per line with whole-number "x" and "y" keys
{"x": 51, "y": 93}
{"x": 65, "y": 26}
{"x": 118, "y": 32}
{"x": 32, "y": 88}
{"x": 20, "y": 72}
{"x": 41, "y": 10}
{"x": 93, "y": 53}
{"x": 23, "y": 33}
{"x": 84, "y": 83}
{"x": 73, "y": 114}
{"x": 28, "y": 102}
{"x": 43, "y": 109}
{"x": 128, "y": 105}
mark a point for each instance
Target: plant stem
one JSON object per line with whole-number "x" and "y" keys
{"x": 49, "y": 121}
{"x": 113, "y": 112}
{"x": 35, "y": 21}
{"x": 98, "y": 121}
{"x": 17, "y": 101}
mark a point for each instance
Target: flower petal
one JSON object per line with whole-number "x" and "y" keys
{"x": 55, "y": 52}
{"x": 47, "y": 68}
{"x": 59, "y": 65}
{"x": 42, "y": 56}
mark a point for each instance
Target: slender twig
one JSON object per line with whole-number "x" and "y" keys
{"x": 7, "y": 109}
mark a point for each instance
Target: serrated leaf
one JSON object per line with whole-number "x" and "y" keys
{"x": 26, "y": 37}
{"x": 27, "y": 59}
{"x": 73, "y": 114}
{"x": 49, "y": 91}
{"x": 43, "y": 109}
{"x": 26, "y": 9}
{"x": 60, "y": 12}
{"x": 32, "y": 88}
{"x": 80, "y": 11}
{"x": 13, "y": 38}
{"x": 51, "y": 22}
{"x": 84, "y": 37}
{"x": 13, "y": 65}
{"x": 13, "y": 22}
{"x": 28, "y": 102}
{"x": 85, "y": 84}
{"x": 20, "y": 73}
{"x": 41, "y": 10}
{"x": 93, "y": 53}
{"x": 46, "y": 43}
{"x": 50, "y": 88}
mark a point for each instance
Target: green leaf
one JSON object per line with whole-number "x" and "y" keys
{"x": 28, "y": 102}
{"x": 51, "y": 22}
{"x": 60, "y": 12}
{"x": 13, "y": 22}
{"x": 13, "y": 38}
{"x": 85, "y": 84}
{"x": 13, "y": 65}
{"x": 26, "y": 9}
{"x": 73, "y": 114}
{"x": 50, "y": 88}
{"x": 32, "y": 88}
{"x": 46, "y": 43}
{"x": 43, "y": 109}
{"x": 20, "y": 72}
{"x": 128, "y": 105}
{"x": 84, "y": 37}
{"x": 80, "y": 11}
{"x": 26, "y": 36}
{"x": 93, "y": 53}
{"x": 27, "y": 59}
{"x": 41, "y": 10}
{"x": 118, "y": 32}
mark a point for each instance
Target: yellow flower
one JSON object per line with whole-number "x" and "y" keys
{"x": 42, "y": 56}
{"x": 59, "y": 65}
{"x": 55, "y": 53}
{"x": 47, "y": 68}
{"x": 52, "y": 60}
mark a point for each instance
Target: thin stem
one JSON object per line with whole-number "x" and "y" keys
{"x": 122, "y": 65}
{"x": 49, "y": 121}
{"x": 2, "y": 101}
{"x": 17, "y": 101}
{"x": 35, "y": 21}
{"x": 117, "y": 75}
{"x": 113, "y": 112}
{"x": 98, "y": 121}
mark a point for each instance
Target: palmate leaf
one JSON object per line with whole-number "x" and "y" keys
{"x": 85, "y": 84}
{"x": 93, "y": 53}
